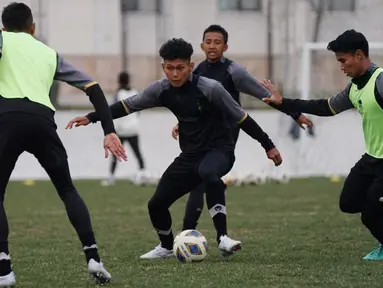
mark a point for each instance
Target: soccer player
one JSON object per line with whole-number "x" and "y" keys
{"x": 27, "y": 70}
{"x": 235, "y": 79}
{"x": 127, "y": 130}
{"x": 205, "y": 111}
{"x": 363, "y": 188}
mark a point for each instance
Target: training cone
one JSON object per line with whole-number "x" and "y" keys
{"x": 335, "y": 179}
{"x": 29, "y": 182}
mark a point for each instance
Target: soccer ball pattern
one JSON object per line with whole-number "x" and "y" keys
{"x": 190, "y": 246}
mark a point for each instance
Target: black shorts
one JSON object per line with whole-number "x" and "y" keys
{"x": 188, "y": 171}
{"x": 365, "y": 181}
{"x": 23, "y": 132}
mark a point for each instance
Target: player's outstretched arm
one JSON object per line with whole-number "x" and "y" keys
{"x": 146, "y": 99}
{"x": 246, "y": 83}
{"x": 66, "y": 72}
{"x": 222, "y": 99}
{"x": 320, "y": 107}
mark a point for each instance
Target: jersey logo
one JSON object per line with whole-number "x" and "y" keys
{"x": 360, "y": 106}
{"x": 199, "y": 107}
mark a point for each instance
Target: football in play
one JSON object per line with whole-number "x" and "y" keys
{"x": 190, "y": 246}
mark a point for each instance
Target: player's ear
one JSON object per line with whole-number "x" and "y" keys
{"x": 359, "y": 54}
{"x": 225, "y": 48}
{"x": 163, "y": 66}
{"x": 33, "y": 29}
{"x": 201, "y": 46}
{"x": 191, "y": 66}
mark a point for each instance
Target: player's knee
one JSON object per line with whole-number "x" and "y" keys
{"x": 66, "y": 191}
{"x": 208, "y": 176}
{"x": 347, "y": 206}
{"x": 154, "y": 205}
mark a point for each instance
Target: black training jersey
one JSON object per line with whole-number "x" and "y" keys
{"x": 235, "y": 79}
{"x": 204, "y": 109}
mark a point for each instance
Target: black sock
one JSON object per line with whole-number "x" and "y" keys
{"x": 162, "y": 222}
{"x": 166, "y": 239}
{"x": 91, "y": 252}
{"x": 5, "y": 267}
{"x": 5, "y": 263}
{"x": 215, "y": 199}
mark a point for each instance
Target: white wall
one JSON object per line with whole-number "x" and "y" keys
{"x": 94, "y": 26}
{"x": 78, "y": 27}
{"x": 338, "y": 145}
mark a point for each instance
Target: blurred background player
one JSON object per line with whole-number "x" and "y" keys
{"x": 205, "y": 111}
{"x": 235, "y": 79}
{"x": 27, "y": 70}
{"x": 127, "y": 129}
{"x": 363, "y": 188}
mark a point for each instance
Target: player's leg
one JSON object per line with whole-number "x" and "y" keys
{"x": 50, "y": 152}
{"x": 194, "y": 207}
{"x": 355, "y": 187}
{"x": 356, "y": 197}
{"x": 134, "y": 143}
{"x": 372, "y": 210}
{"x": 372, "y": 216}
{"x": 112, "y": 169}
{"x": 177, "y": 180}
{"x": 215, "y": 164}
{"x": 10, "y": 150}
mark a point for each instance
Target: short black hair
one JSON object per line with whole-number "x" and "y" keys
{"x": 124, "y": 78}
{"x": 176, "y": 48}
{"x": 17, "y": 17}
{"x": 348, "y": 42}
{"x": 218, "y": 29}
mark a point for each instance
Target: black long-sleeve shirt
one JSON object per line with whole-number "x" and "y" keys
{"x": 204, "y": 109}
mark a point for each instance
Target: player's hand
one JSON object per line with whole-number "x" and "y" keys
{"x": 175, "y": 132}
{"x": 275, "y": 98}
{"x": 303, "y": 120}
{"x": 78, "y": 121}
{"x": 275, "y": 156}
{"x": 113, "y": 144}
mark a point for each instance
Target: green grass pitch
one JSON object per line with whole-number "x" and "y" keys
{"x": 293, "y": 236}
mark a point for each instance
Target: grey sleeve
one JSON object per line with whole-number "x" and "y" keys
{"x": 341, "y": 101}
{"x": 222, "y": 99}
{"x": 246, "y": 83}
{"x": 148, "y": 98}
{"x": 1, "y": 43}
{"x": 379, "y": 84}
{"x": 66, "y": 72}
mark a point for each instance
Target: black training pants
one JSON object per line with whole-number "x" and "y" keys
{"x": 194, "y": 205}
{"x": 183, "y": 175}
{"x": 37, "y": 135}
{"x": 134, "y": 143}
{"x": 363, "y": 193}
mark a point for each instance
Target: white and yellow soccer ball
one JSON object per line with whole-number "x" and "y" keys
{"x": 190, "y": 246}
